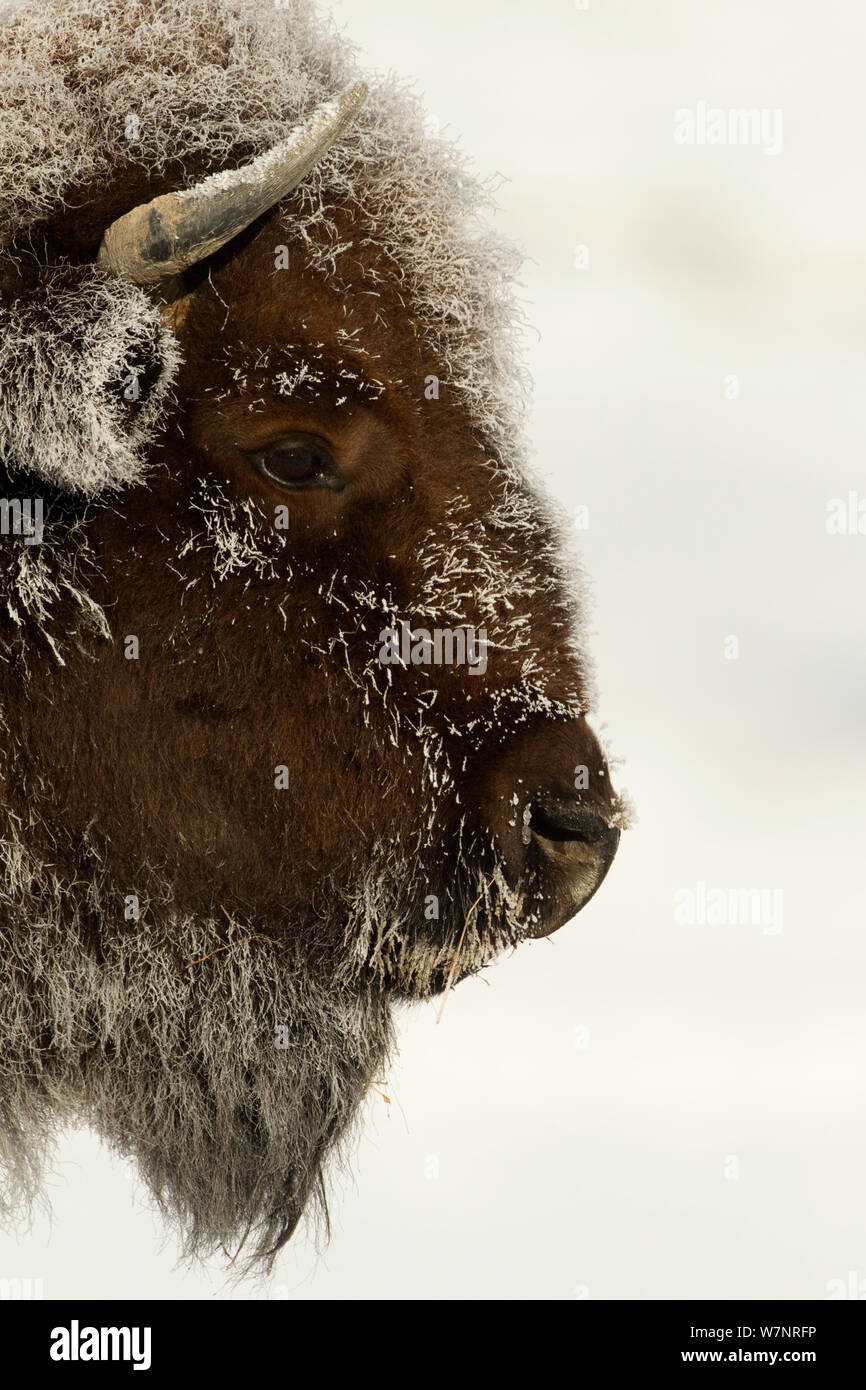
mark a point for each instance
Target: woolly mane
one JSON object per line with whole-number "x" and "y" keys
{"x": 101, "y": 100}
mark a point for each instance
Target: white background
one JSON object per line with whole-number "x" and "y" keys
{"x": 604, "y": 1171}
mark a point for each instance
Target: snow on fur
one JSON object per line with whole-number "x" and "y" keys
{"x": 228, "y": 79}
{"x": 72, "y": 360}
{"x": 232, "y": 1171}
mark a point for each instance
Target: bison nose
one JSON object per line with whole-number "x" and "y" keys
{"x": 578, "y": 844}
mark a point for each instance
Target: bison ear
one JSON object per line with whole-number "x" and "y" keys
{"x": 86, "y": 366}
{"x": 157, "y": 241}
{"x": 87, "y": 359}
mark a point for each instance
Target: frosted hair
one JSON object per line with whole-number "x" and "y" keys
{"x": 92, "y": 89}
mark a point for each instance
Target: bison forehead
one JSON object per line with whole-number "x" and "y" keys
{"x": 271, "y": 321}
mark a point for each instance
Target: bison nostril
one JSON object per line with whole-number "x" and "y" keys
{"x": 560, "y": 821}
{"x": 578, "y": 847}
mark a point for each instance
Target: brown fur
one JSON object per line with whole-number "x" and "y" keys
{"x": 258, "y": 648}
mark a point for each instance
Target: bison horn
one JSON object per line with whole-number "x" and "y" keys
{"x": 160, "y": 239}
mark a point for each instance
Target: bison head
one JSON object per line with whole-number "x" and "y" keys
{"x": 293, "y": 700}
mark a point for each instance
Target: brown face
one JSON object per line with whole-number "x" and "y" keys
{"x": 354, "y": 673}
{"x": 314, "y": 496}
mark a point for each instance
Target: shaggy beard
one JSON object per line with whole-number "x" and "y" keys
{"x": 229, "y": 1065}
{"x": 416, "y": 935}
{"x": 227, "y": 1070}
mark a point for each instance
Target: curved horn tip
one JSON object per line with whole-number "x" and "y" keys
{"x": 169, "y": 234}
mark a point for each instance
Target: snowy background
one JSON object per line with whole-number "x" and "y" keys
{"x": 641, "y": 1108}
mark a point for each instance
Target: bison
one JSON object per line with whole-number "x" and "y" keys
{"x": 292, "y": 686}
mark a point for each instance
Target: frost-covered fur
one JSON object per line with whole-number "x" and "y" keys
{"x": 38, "y": 581}
{"x": 229, "y": 1116}
{"x": 158, "y": 87}
{"x": 86, "y": 367}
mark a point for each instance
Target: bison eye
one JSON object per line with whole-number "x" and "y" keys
{"x": 299, "y": 461}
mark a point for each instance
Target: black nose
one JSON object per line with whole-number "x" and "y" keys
{"x": 577, "y": 843}
{"x": 559, "y": 820}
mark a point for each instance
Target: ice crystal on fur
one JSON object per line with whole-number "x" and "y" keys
{"x": 211, "y": 1139}
{"x": 86, "y": 369}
